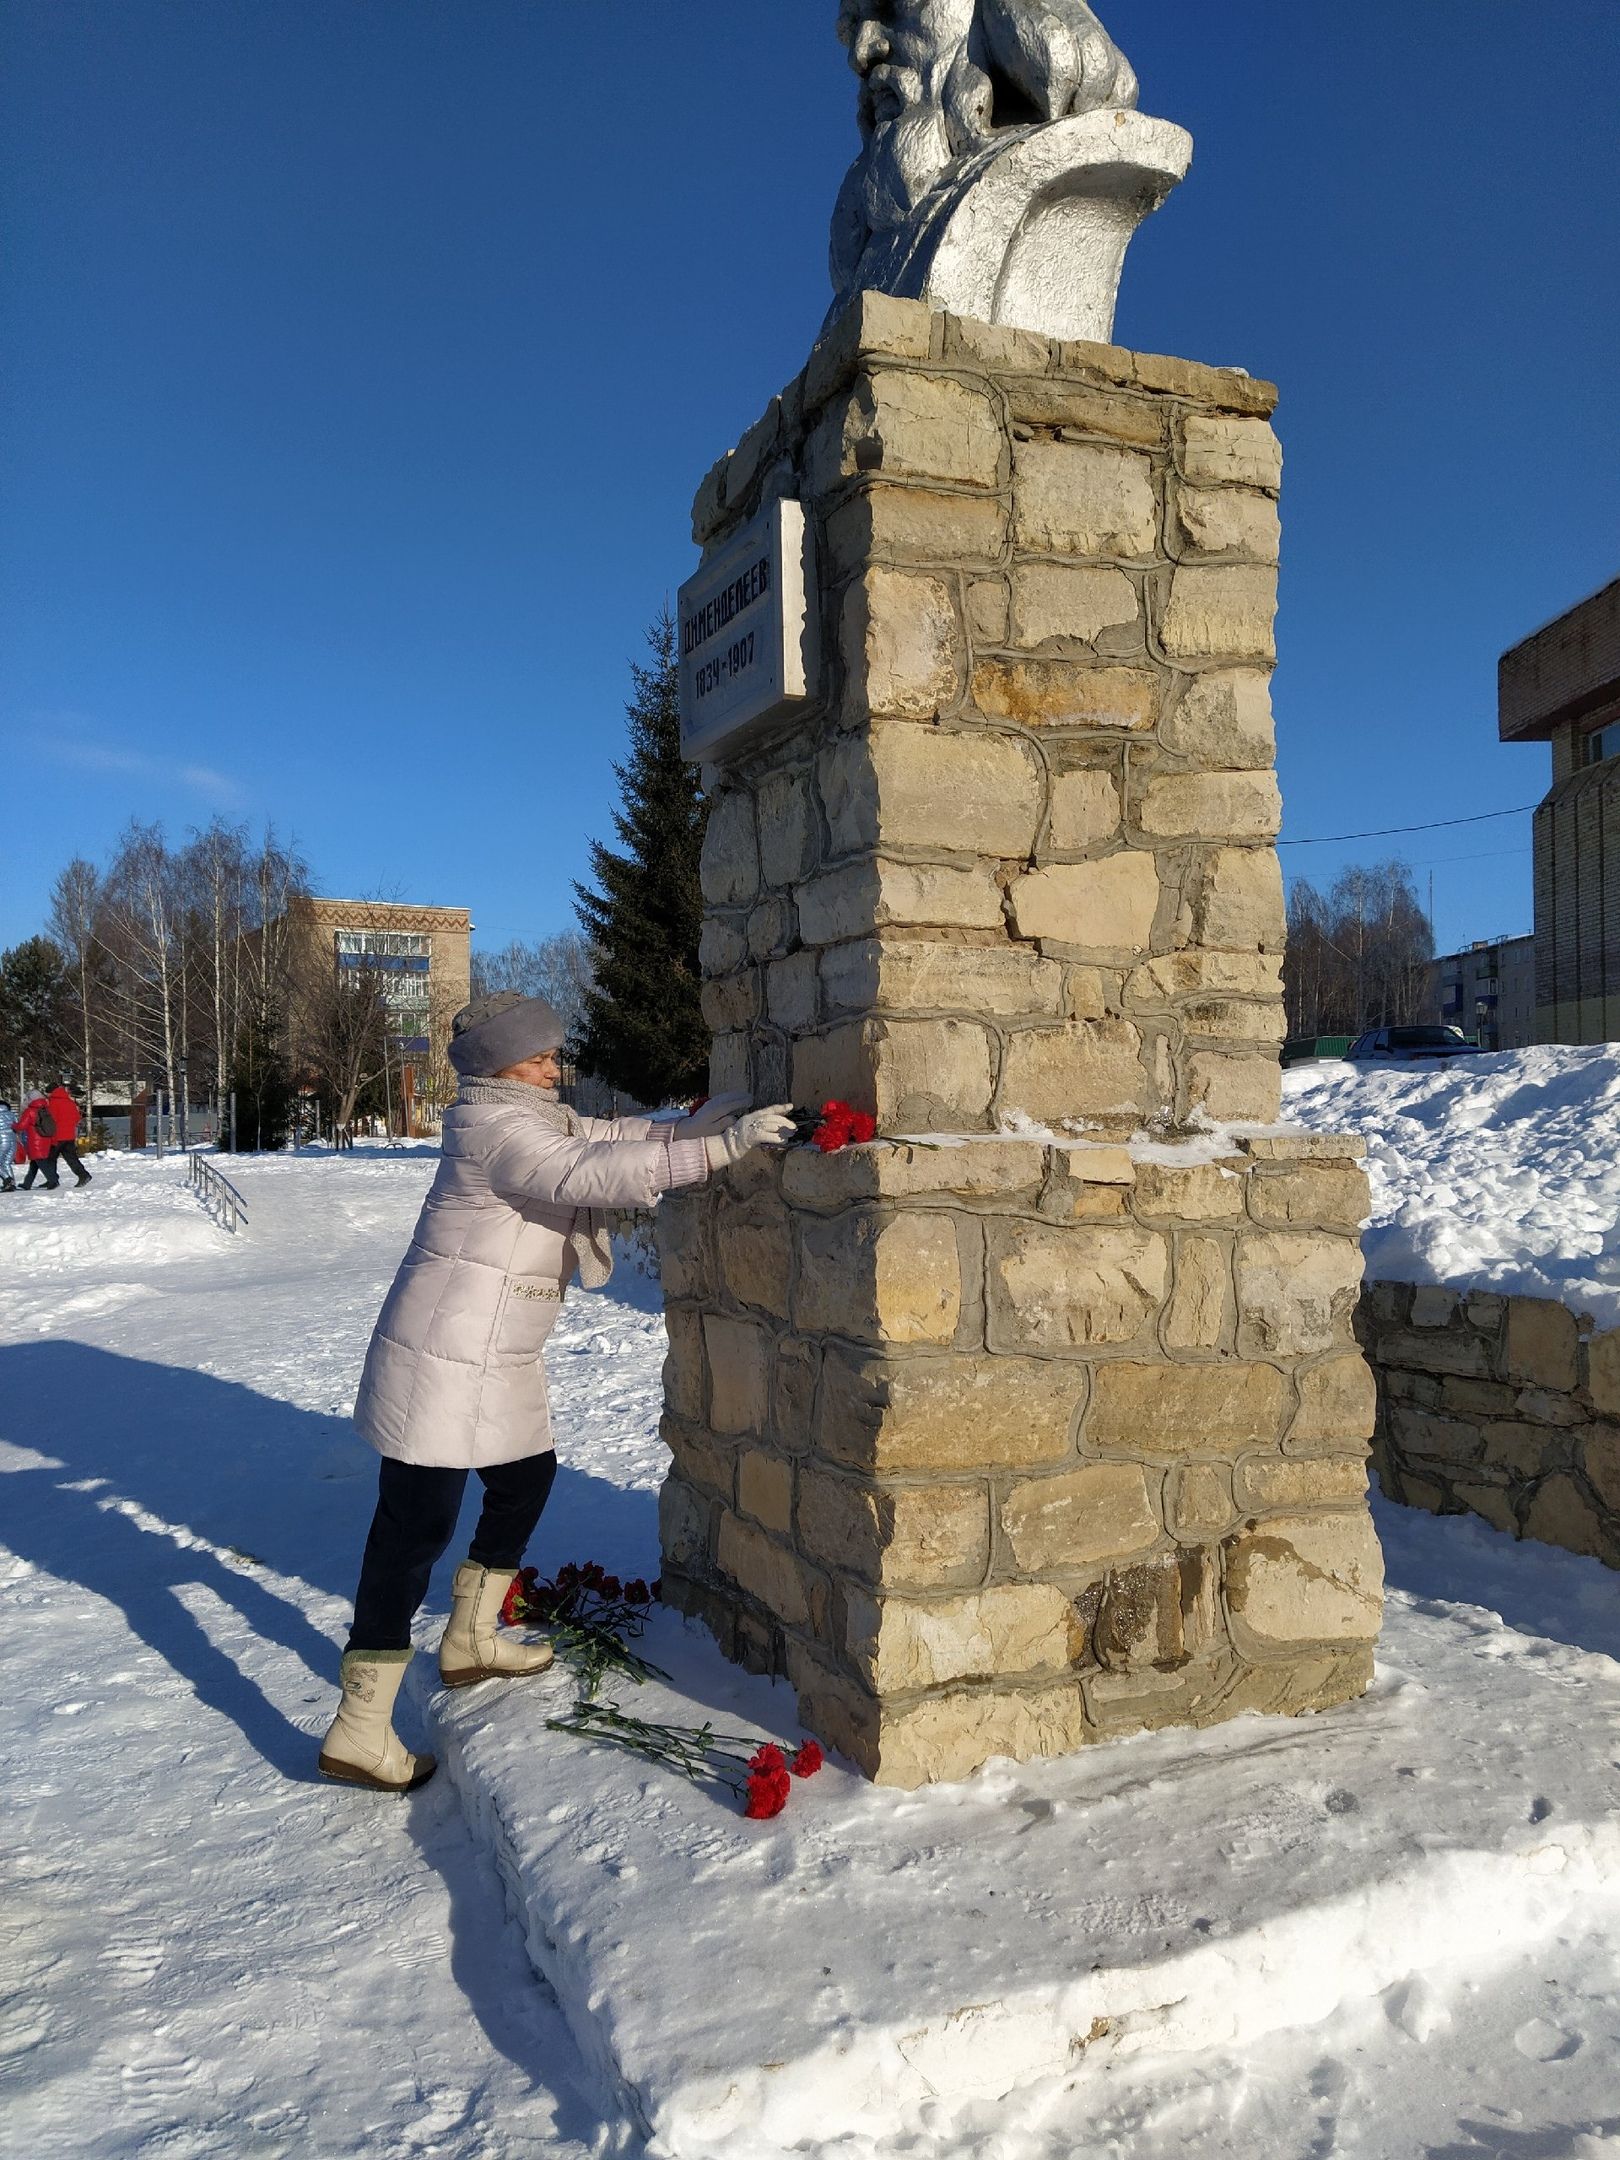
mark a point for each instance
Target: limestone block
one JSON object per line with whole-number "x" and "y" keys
{"x": 873, "y": 324}
{"x": 722, "y": 946}
{"x": 1300, "y": 1146}
{"x": 1228, "y": 521}
{"x": 1434, "y": 1306}
{"x": 974, "y": 792}
{"x": 1491, "y": 1501}
{"x": 1229, "y": 1021}
{"x": 835, "y": 1066}
{"x": 791, "y": 991}
{"x": 900, "y": 1537}
{"x": 683, "y": 1366}
{"x": 968, "y": 1169}
{"x": 1066, "y": 1289}
{"x": 1083, "y": 499}
{"x": 1066, "y": 600}
{"x": 1561, "y": 1513}
{"x": 987, "y": 607}
{"x": 771, "y": 927}
{"x": 1448, "y": 1350}
{"x": 1201, "y": 1505}
{"x": 1333, "y": 1193}
{"x": 1239, "y": 901}
{"x": 1600, "y": 1458}
{"x": 1159, "y": 1409}
{"x": 1297, "y": 1291}
{"x": 1108, "y": 905}
{"x": 930, "y": 1075}
{"x": 900, "y": 1644}
{"x": 1042, "y": 401}
{"x": 766, "y": 1570}
{"x": 680, "y": 1228}
{"x": 1307, "y": 1578}
{"x": 1479, "y": 1398}
{"x": 730, "y": 1002}
{"x": 1077, "y": 1519}
{"x": 1221, "y": 611}
{"x": 1199, "y": 1315}
{"x": 879, "y": 1278}
{"x": 1234, "y": 1090}
{"x": 737, "y": 1363}
{"x": 1228, "y": 388}
{"x": 1091, "y": 1068}
{"x": 786, "y": 845}
{"x": 1338, "y": 1401}
{"x": 1211, "y": 806}
{"x": 909, "y": 426}
{"x": 1156, "y": 1615}
{"x": 685, "y": 1520}
{"x": 1302, "y": 1482}
{"x": 700, "y": 1458}
{"x": 1198, "y": 973}
{"x": 1527, "y": 1449}
{"x": 731, "y": 1067}
{"x": 765, "y": 1489}
{"x": 1191, "y": 1192}
{"x": 1218, "y": 451}
{"x": 861, "y": 897}
{"x": 795, "y": 1374}
{"x": 910, "y": 525}
{"x": 911, "y": 975}
{"x": 946, "y": 1413}
{"x": 1223, "y": 719}
{"x": 944, "y": 1738}
{"x": 902, "y": 645}
{"x": 1417, "y": 1431}
{"x": 755, "y": 1253}
{"x": 1066, "y": 694}
{"x": 1542, "y": 1342}
{"x": 1084, "y": 811}
{"x": 730, "y": 865}
{"x": 1603, "y": 1372}
{"x": 995, "y": 345}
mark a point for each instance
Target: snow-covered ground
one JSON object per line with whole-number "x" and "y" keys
{"x": 204, "y": 1951}
{"x": 1501, "y": 1171}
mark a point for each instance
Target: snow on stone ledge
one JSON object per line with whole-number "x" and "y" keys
{"x": 1499, "y": 1172}
{"x": 874, "y": 1964}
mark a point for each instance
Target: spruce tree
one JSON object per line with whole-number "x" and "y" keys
{"x": 643, "y": 1030}
{"x": 261, "y": 1080}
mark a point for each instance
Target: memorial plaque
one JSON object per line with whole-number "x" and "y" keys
{"x": 748, "y": 635}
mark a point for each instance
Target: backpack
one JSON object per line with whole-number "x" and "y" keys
{"x": 44, "y": 1122}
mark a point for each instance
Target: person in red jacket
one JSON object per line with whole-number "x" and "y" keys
{"x": 66, "y": 1117}
{"x": 36, "y": 1146}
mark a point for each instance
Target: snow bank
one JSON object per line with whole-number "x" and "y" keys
{"x": 1500, "y": 1171}
{"x": 874, "y": 1962}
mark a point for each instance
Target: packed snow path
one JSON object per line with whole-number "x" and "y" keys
{"x": 203, "y": 1951}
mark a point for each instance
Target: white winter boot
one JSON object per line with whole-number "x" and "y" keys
{"x": 474, "y": 1648}
{"x": 362, "y": 1747}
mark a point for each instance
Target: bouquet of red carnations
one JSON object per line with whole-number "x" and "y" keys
{"x": 758, "y": 1772}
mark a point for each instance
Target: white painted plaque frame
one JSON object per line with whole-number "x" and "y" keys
{"x": 747, "y": 624}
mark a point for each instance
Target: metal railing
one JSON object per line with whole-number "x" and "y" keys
{"x": 217, "y": 1194}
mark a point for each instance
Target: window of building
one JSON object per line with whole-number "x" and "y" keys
{"x": 1603, "y": 742}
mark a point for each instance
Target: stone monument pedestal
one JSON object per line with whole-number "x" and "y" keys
{"x": 1039, "y": 1419}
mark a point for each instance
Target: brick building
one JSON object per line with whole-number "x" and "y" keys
{"x": 1489, "y": 991}
{"x": 1562, "y": 687}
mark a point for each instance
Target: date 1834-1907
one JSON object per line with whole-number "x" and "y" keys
{"x": 711, "y": 673}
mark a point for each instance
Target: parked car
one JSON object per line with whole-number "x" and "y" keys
{"x": 1411, "y": 1046}
{"x": 1300, "y": 1048}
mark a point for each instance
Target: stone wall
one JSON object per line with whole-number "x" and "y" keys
{"x": 1505, "y": 1407}
{"x": 998, "y": 1444}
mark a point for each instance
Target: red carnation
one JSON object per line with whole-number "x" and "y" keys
{"x": 513, "y": 1602}
{"x": 767, "y": 1759}
{"x": 863, "y": 1126}
{"x": 609, "y": 1586}
{"x": 637, "y": 1593}
{"x": 808, "y": 1760}
{"x": 767, "y": 1794}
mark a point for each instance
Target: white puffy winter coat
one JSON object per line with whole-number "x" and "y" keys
{"x": 453, "y": 1377}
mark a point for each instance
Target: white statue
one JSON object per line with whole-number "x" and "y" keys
{"x": 1004, "y": 167}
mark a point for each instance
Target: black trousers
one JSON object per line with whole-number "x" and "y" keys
{"x": 45, "y": 1168}
{"x": 67, "y": 1151}
{"x": 414, "y": 1523}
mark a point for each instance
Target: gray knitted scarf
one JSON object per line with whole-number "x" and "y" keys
{"x": 590, "y": 1241}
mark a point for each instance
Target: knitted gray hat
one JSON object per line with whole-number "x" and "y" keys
{"x": 500, "y": 1030}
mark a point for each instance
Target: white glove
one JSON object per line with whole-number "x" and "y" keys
{"x": 774, "y": 1127}
{"x": 712, "y": 1117}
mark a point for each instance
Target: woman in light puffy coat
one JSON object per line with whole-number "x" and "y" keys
{"x": 453, "y": 1380}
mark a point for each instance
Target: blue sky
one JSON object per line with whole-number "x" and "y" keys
{"x": 361, "y": 357}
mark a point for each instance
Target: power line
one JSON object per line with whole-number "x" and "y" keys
{"x": 1387, "y": 832}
